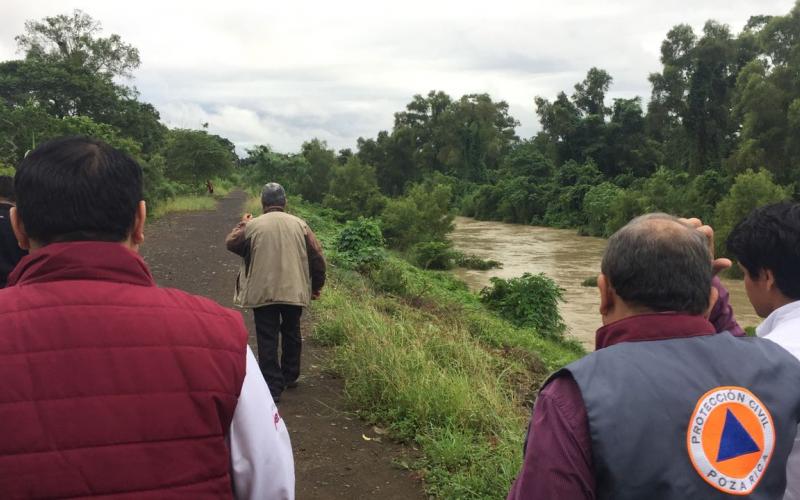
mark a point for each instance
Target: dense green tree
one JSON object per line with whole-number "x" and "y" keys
{"x": 22, "y": 128}
{"x": 598, "y": 203}
{"x": 590, "y": 94}
{"x": 423, "y": 215}
{"x": 629, "y": 150}
{"x": 392, "y": 155}
{"x": 750, "y": 190}
{"x": 465, "y": 138}
{"x": 767, "y": 100}
{"x": 354, "y": 190}
{"x": 479, "y": 133}
{"x": 73, "y": 39}
{"x": 194, "y": 156}
{"x": 321, "y": 161}
{"x": 263, "y": 165}
{"x": 422, "y": 126}
{"x": 69, "y": 70}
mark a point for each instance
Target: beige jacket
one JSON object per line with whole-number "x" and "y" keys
{"x": 282, "y": 260}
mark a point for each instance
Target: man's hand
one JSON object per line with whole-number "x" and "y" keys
{"x": 315, "y": 294}
{"x": 720, "y": 264}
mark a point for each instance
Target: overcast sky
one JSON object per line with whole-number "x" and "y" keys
{"x": 280, "y": 73}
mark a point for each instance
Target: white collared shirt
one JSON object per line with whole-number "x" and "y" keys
{"x": 783, "y": 328}
{"x": 262, "y": 465}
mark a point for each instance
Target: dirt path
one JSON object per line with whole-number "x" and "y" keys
{"x": 332, "y": 459}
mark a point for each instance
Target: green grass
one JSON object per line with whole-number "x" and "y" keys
{"x": 185, "y": 203}
{"x": 222, "y": 187}
{"x": 438, "y": 371}
{"x": 421, "y": 356}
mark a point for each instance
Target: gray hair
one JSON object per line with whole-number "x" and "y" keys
{"x": 659, "y": 263}
{"x": 273, "y": 195}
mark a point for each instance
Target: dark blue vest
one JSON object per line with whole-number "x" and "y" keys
{"x": 691, "y": 418}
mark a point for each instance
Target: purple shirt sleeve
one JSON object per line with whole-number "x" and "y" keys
{"x": 558, "y": 457}
{"x": 722, "y": 313}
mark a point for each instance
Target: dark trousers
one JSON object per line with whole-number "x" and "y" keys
{"x": 272, "y": 321}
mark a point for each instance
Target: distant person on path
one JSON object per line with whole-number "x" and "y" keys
{"x": 10, "y": 252}
{"x": 209, "y": 187}
{"x": 113, "y": 386}
{"x": 665, "y": 408}
{"x": 282, "y": 270}
{"x": 767, "y": 246}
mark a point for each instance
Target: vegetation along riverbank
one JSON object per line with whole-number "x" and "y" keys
{"x": 424, "y": 357}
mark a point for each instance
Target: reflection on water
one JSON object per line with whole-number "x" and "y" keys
{"x": 560, "y": 254}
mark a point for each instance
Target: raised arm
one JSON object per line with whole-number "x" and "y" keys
{"x": 235, "y": 241}
{"x": 316, "y": 262}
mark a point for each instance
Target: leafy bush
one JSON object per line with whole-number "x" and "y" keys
{"x": 750, "y": 190}
{"x": 360, "y": 243}
{"x": 475, "y": 262}
{"x": 434, "y": 255}
{"x": 597, "y": 205}
{"x": 529, "y": 300}
{"x": 389, "y": 277}
{"x": 354, "y": 190}
{"x": 422, "y": 215}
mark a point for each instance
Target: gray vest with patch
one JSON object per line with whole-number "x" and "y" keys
{"x": 653, "y": 406}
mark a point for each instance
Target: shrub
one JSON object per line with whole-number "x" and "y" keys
{"x": 590, "y": 281}
{"x": 528, "y": 301}
{"x": 354, "y": 190}
{"x": 360, "y": 243}
{"x": 390, "y": 278}
{"x": 475, "y": 262}
{"x": 750, "y": 190}
{"x": 597, "y": 205}
{"x": 433, "y": 255}
{"x": 423, "y": 215}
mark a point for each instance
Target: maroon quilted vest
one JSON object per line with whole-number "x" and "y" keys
{"x": 110, "y": 385}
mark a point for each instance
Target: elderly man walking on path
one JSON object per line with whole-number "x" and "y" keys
{"x": 282, "y": 270}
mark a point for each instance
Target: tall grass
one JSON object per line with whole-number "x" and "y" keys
{"x": 439, "y": 370}
{"x": 184, "y": 203}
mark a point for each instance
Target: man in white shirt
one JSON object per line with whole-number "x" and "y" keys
{"x": 767, "y": 245}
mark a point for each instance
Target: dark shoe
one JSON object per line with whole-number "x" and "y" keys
{"x": 292, "y": 384}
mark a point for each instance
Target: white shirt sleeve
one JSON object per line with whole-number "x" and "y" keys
{"x": 262, "y": 464}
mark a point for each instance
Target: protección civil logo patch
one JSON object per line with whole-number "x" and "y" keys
{"x": 730, "y": 439}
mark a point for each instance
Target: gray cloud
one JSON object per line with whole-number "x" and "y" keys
{"x": 263, "y": 72}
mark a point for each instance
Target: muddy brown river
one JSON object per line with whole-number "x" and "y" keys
{"x": 562, "y": 255}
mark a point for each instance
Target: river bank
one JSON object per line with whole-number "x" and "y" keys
{"x": 421, "y": 357}
{"x": 563, "y": 256}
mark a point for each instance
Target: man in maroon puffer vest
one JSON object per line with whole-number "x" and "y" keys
{"x": 110, "y": 385}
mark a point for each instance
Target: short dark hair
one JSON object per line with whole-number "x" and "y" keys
{"x": 7, "y": 187}
{"x": 769, "y": 238}
{"x": 659, "y": 263}
{"x": 78, "y": 189}
{"x": 273, "y": 195}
